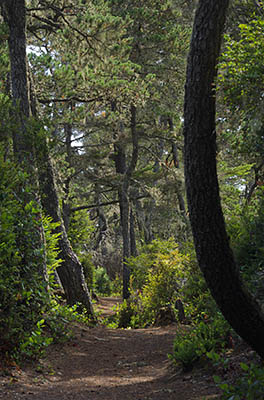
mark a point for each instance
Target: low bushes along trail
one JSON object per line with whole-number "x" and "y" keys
{"x": 108, "y": 364}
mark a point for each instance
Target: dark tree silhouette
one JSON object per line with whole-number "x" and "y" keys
{"x": 214, "y": 255}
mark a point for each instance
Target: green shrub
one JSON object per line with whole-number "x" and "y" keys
{"x": 144, "y": 262}
{"x": 160, "y": 275}
{"x": 191, "y": 344}
{"x": 24, "y": 300}
{"x": 88, "y": 270}
{"x": 130, "y": 313}
{"x": 117, "y": 285}
{"x": 185, "y": 350}
{"x": 195, "y": 294}
{"x": 102, "y": 283}
{"x": 23, "y": 295}
{"x": 33, "y": 344}
{"x": 162, "y": 283}
{"x": 157, "y": 276}
{"x": 248, "y": 387}
{"x": 80, "y": 230}
{"x": 57, "y": 321}
{"x": 246, "y": 237}
{"x": 124, "y": 313}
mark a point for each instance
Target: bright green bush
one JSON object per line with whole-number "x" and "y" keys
{"x": 124, "y": 313}
{"x": 172, "y": 274}
{"x": 158, "y": 276}
{"x": 143, "y": 263}
{"x": 24, "y": 299}
{"x": 163, "y": 283}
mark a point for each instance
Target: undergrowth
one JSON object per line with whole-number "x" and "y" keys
{"x": 250, "y": 385}
{"x": 194, "y": 343}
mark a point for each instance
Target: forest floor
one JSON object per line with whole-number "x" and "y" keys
{"x": 109, "y": 364}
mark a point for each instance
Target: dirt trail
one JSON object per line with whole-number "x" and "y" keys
{"x": 106, "y": 364}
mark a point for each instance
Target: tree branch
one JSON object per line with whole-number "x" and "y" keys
{"x": 107, "y": 203}
{"x": 68, "y": 99}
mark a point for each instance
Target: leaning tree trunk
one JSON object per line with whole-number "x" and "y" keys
{"x": 70, "y": 271}
{"x": 215, "y": 257}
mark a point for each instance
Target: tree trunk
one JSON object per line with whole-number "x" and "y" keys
{"x": 66, "y": 207}
{"x": 124, "y": 214}
{"x": 123, "y": 196}
{"x": 177, "y": 165}
{"x": 102, "y": 222}
{"x": 133, "y": 243}
{"x": 214, "y": 255}
{"x": 14, "y": 14}
{"x": 70, "y": 271}
{"x": 120, "y": 164}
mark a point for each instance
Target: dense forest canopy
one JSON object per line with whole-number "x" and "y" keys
{"x": 92, "y": 189}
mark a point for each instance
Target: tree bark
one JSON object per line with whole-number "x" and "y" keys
{"x": 214, "y": 255}
{"x": 66, "y": 207}
{"x": 102, "y": 222}
{"x": 144, "y": 220}
{"x": 14, "y": 14}
{"x": 125, "y": 188}
{"x": 120, "y": 165}
{"x": 177, "y": 165}
{"x": 123, "y": 196}
{"x": 70, "y": 271}
{"x": 133, "y": 243}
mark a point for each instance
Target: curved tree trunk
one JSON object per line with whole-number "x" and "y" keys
{"x": 215, "y": 257}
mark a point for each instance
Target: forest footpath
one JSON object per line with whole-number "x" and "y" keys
{"x": 108, "y": 364}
